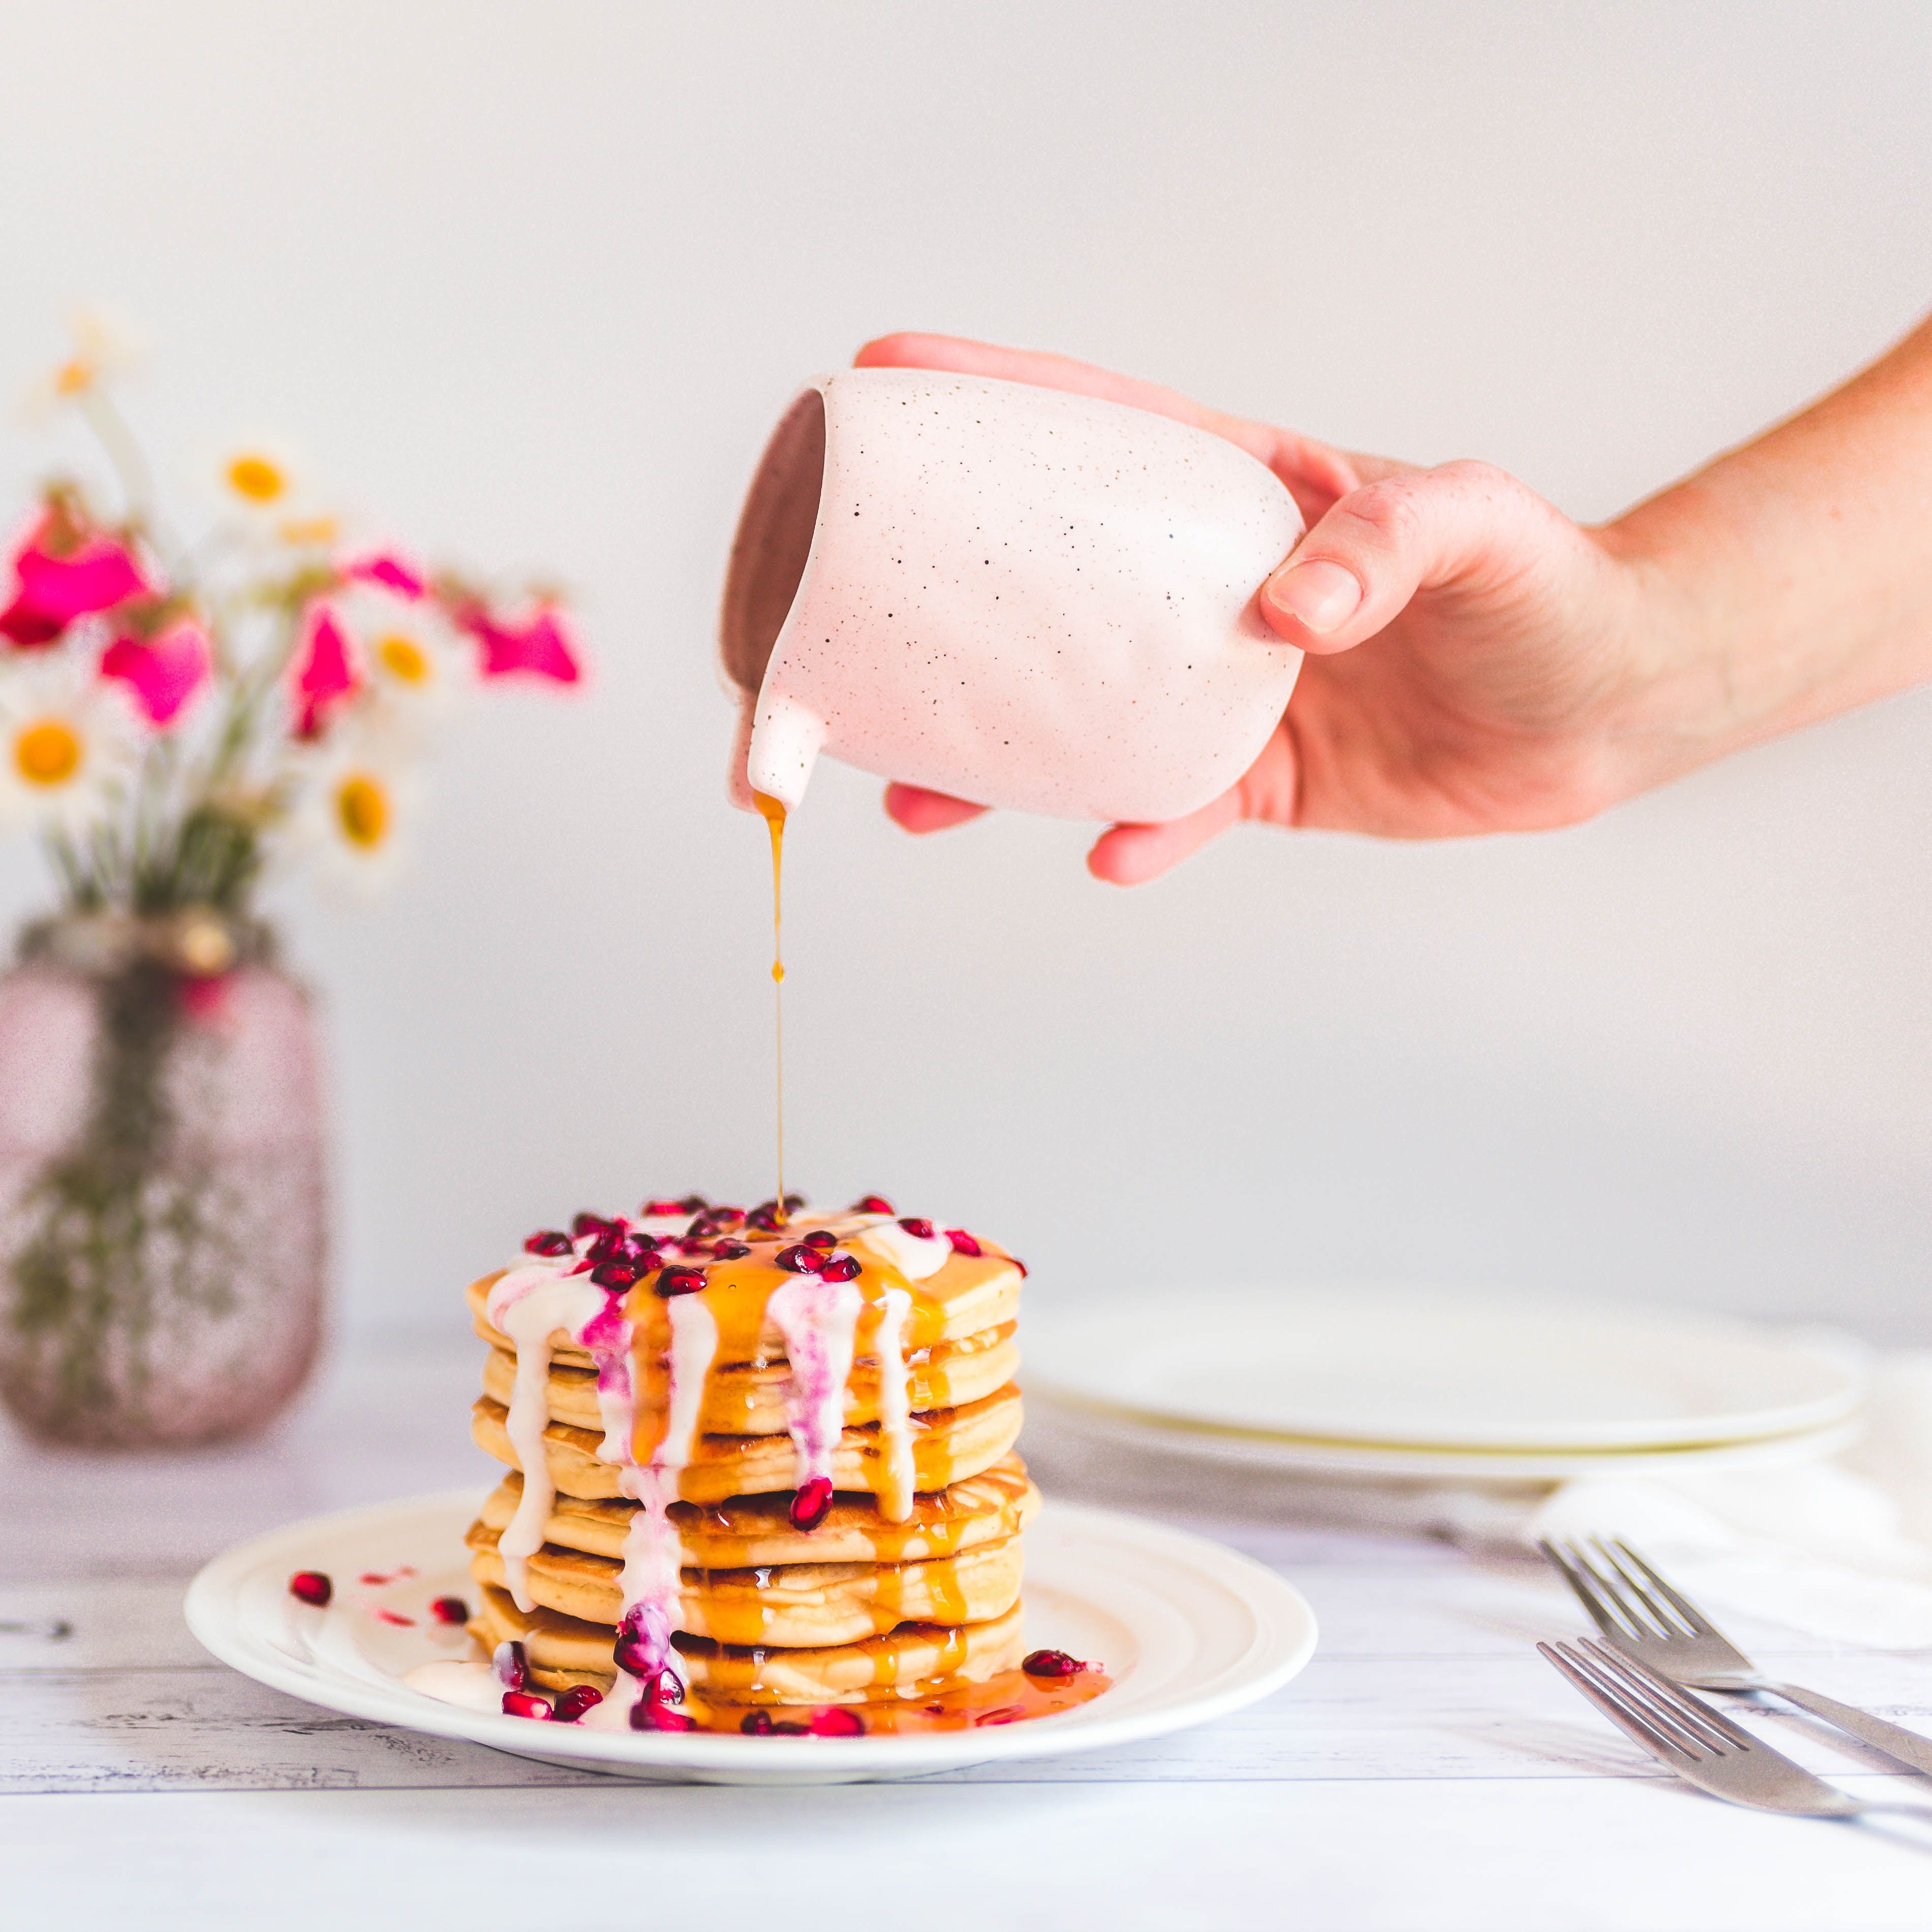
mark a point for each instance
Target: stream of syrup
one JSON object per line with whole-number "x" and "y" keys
{"x": 773, "y": 813}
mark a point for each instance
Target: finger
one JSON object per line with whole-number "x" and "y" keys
{"x": 1421, "y": 529}
{"x": 1130, "y": 855}
{"x": 918, "y": 810}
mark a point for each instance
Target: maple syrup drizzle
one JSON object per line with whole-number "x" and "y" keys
{"x": 773, "y": 813}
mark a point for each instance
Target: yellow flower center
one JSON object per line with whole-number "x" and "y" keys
{"x": 47, "y": 753}
{"x": 256, "y": 477}
{"x": 404, "y": 659}
{"x": 362, "y": 810}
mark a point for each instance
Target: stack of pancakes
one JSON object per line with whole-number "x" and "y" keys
{"x": 906, "y": 1583}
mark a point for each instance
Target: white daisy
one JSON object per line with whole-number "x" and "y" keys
{"x": 417, "y": 667}
{"x": 70, "y": 743}
{"x": 354, "y": 807}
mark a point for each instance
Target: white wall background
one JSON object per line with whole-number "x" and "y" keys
{"x": 528, "y": 282}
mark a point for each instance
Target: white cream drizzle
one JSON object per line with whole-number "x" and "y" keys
{"x": 456, "y": 1680}
{"x": 896, "y": 1480}
{"x": 529, "y": 1304}
{"x": 915, "y": 1256}
{"x": 818, "y": 1319}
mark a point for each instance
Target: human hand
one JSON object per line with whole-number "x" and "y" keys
{"x": 1474, "y": 657}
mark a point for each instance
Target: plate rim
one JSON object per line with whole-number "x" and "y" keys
{"x": 207, "y": 1604}
{"x": 1792, "y": 1419}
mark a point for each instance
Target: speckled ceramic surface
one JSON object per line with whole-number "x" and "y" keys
{"x": 1023, "y": 597}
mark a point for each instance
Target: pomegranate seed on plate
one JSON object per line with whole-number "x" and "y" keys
{"x": 1052, "y": 1664}
{"x": 963, "y": 1244}
{"x": 679, "y": 1281}
{"x": 821, "y": 1237}
{"x": 837, "y": 1720}
{"x": 511, "y": 1664}
{"x": 917, "y": 1225}
{"x": 587, "y": 1223}
{"x": 801, "y": 1259}
{"x": 526, "y": 1704}
{"x": 450, "y": 1610}
{"x": 574, "y": 1702}
{"x": 630, "y": 1655}
{"x": 810, "y": 1503}
{"x": 311, "y": 1586}
{"x": 650, "y": 1716}
{"x": 729, "y": 1251}
{"x": 615, "y": 1275}
{"x": 547, "y": 1241}
{"x": 660, "y": 1211}
{"x": 692, "y": 1204}
{"x": 756, "y": 1723}
{"x": 840, "y": 1268}
{"x": 871, "y": 1203}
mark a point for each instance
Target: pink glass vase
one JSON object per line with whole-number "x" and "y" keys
{"x": 162, "y": 1184}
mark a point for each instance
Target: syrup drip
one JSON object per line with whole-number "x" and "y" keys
{"x": 773, "y": 813}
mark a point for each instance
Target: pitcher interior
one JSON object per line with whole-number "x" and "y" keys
{"x": 773, "y": 543}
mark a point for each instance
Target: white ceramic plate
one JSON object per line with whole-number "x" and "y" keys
{"x": 1397, "y": 1368}
{"x": 1351, "y": 1460}
{"x": 1187, "y": 1630}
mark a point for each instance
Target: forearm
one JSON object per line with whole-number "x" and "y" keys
{"x": 1791, "y": 579}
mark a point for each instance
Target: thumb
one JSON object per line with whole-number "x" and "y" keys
{"x": 1417, "y": 529}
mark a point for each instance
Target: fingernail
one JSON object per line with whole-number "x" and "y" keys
{"x": 1323, "y": 595}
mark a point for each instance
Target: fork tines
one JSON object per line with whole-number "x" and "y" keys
{"x": 1668, "y": 1721}
{"x": 1632, "y": 1600}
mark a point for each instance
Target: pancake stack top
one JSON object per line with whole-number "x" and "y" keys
{"x": 763, "y": 1460}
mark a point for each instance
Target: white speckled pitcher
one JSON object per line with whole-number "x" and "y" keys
{"x": 1021, "y": 597}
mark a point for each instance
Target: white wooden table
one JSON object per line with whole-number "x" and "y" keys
{"x": 1427, "y": 1770}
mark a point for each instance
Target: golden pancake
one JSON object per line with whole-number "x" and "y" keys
{"x": 749, "y": 1401}
{"x": 947, "y": 1443}
{"x": 914, "y": 1659}
{"x": 967, "y": 1295}
{"x": 794, "y": 1606}
{"x": 750, "y": 1531}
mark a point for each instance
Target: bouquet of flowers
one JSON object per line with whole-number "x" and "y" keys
{"x": 174, "y": 717}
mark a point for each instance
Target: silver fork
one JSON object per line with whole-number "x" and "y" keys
{"x": 1644, "y": 1618}
{"x": 1702, "y": 1746}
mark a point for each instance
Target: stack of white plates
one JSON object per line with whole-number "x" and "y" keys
{"x": 1374, "y": 1380}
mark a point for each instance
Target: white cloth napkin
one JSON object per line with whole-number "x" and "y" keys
{"x": 1840, "y": 1549}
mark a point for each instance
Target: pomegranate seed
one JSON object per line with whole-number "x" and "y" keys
{"x": 729, "y": 1251}
{"x": 606, "y": 1244}
{"x": 526, "y": 1704}
{"x": 917, "y": 1224}
{"x": 587, "y": 1223}
{"x": 632, "y": 1658}
{"x": 692, "y": 1204}
{"x": 840, "y": 1268}
{"x": 756, "y": 1723}
{"x": 963, "y": 1244}
{"x": 763, "y": 1221}
{"x": 835, "y": 1721}
{"x": 810, "y": 1502}
{"x": 615, "y": 1275}
{"x": 1024, "y": 1270}
{"x": 547, "y": 1241}
{"x": 668, "y": 1688}
{"x": 311, "y": 1586}
{"x": 821, "y": 1237}
{"x": 574, "y": 1702}
{"x": 1052, "y": 1664}
{"x": 801, "y": 1259}
{"x": 450, "y": 1610}
{"x": 793, "y": 1202}
{"x": 511, "y": 1664}
{"x": 679, "y": 1281}
{"x": 726, "y": 1217}
{"x": 650, "y": 1716}
{"x": 659, "y": 1211}
{"x": 641, "y": 1245}
{"x": 871, "y": 1203}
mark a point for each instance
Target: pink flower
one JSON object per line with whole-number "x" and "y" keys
{"x": 322, "y": 675}
{"x": 53, "y": 587}
{"x": 390, "y": 572}
{"x": 163, "y": 674}
{"x": 537, "y": 647}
